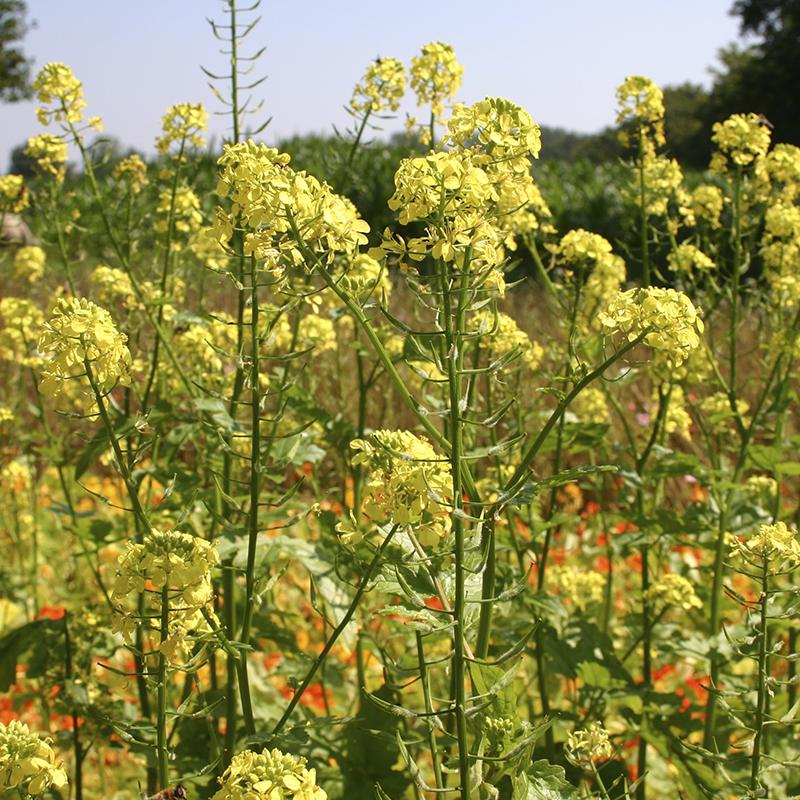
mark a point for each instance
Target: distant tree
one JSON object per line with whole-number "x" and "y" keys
{"x": 764, "y": 77}
{"x": 19, "y": 163}
{"x": 688, "y": 120}
{"x": 15, "y": 67}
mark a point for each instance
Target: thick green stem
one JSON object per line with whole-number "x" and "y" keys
{"x": 161, "y": 694}
{"x": 763, "y": 676}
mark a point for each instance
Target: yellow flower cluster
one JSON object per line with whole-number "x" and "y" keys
{"x": 178, "y": 562}
{"x": 590, "y": 744}
{"x": 28, "y": 764}
{"x": 13, "y": 194}
{"x": 313, "y": 331}
{"x": 381, "y": 88}
{"x": 777, "y": 544}
{"x": 60, "y": 93}
{"x": 186, "y": 211}
{"x": 16, "y": 477}
{"x": 742, "y": 138}
{"x": 269, "y": 775}
{"x": 687, "y": 257}
{"x": 80, "y": 333}
{"x": 20, "y": 330}
{"x": 435, "y": 75}
{"x": 277, "y": 204}
{"x": 504, "y": 336}
{"x": 408, "y": 483}
{"x": 674, "y": 590}
{"x": 133, "y": 172}
{"x": 707, "y": 204}
{"x": 716, "y": 409}
{"x": 113, "y": 285}
{"x": 677, "y": 419}
{"x": 580, "y": 245}
{"x": 591, "y": 407}
{"x": 581, "y": 587}
{"x": 669, "y": 320}
{"x": 783, "y": 167}
{"x": 761, "y": 489}
{"x": 183, "y": 124}
{"x": 49, "y": 152}
{"x": 363, "y": 278}
{"x": 29, "y": 263}
{"x": 641, "y": 104}
{"x": 604, "y": 281}
{"x": 663, "y": 180}
{"x": 501, "y": 129}
{"x": 780, "y": 249}
{"x": 201, "y": 350}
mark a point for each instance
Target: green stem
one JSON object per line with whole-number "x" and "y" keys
{"x": 161, "y": 696}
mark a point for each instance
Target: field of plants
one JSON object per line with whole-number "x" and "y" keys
{"x": 472, "y": 505}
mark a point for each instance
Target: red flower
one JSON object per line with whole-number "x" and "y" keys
{"x": 51, "y": 612}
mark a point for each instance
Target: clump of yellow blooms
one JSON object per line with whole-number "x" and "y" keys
{"x": 742, "y": 138}
{"x": 587, "y": 745}
{"x": 19, "y": 333}
{"x": 669, "y": 321}
{"x": 581, "y": 587}
{"x": 381, "y": 88}
{"x": 183, "y": 124}
{"x": 364, "y": 278}
{"x": 783, "y": 167}
{"x": 113, "y": 285}
{"x": 408, "y": 483}
{"x": 591, "y": 406}
{"x": 29, "y": 263}
{"x": 663, "y": 180}
{"x": 276, "y": 205}
{"x": 60, "y": 93}
{"x": 28, "y": 764}
{"x": 49, "y": 152}
{"x": 177, "y": 562}
{"x": 687, "y": 257}
{"x": 641, "y": 105}
{"x": 186, "y": 215}
{"x": 435, "y": 75}
{"x": 132, "y": 171}
{"x": 6, "y": 416}
{"x": 677, "y": 419}
{"x": 313, "y": 332}
{"x": 504, "y": 336}
{"x": 580, "y": 245}
{"x": 707, "y": 204}
{"x": 716, "y": 409}
{"x": 780, "y": 249}
{"x": 776, "y": 544}
{"x": 16, "y": 477}
{"x": 13, "y": 194}
{"x": 674, "y": 590}
{"x": 761, "y": 488}
{"x": 201, "y": 349}
{"x": 80, "y": 333}
{"x": 269, "y": 775}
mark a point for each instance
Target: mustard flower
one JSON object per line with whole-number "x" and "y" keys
{"x": 60, "y": 93}
{"x": 677, "y": 419}
{"x": 19, "y": 332}
{"x": 435, "y": 75}
{"x": 408, "y": 483}
{"x": 783, "y": 167}
{"x": 269, "y": 775}
{"x": 761, "y": 489}
{"x": 49, "y": 152}
{"x": 29, "y": 263}
{"x": 381, "y": 88}
{"x": 113, "y": 285}
{"x": 186, "y": 216}
{"x": 776, "y": 544}
{"x": 6, "y": 416}
{"x": 183, "y": 124}
{"x": 79, "y": 333}
{"x": 641, "y": 103}
{"x": 16, "y": 477}
{"x": 363, "y": 277}
{"x": 591, "y": 407}
{"x": 663, "y": 180}
{"x": 132, "y": 171}
{"x": 742, "y": 138}
{"x": 503, "y": 336}
{"x": 590, "y": 744}
{"x": 498, "y": 127}
{"x": 313, "y": 331}
{"x": 707, "y": 204}
{"x": 13, "y": 194}
{"x": 581, "y": 587}
{"x": 687, "y": 257}
{"x": 28, "y": 763}
{"x": 202, "y": 349}
{"x": 673, "y": 590}
{"x": 582, "y": 245}
{"x": 670, "y": 322}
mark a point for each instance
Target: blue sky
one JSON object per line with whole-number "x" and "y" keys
{"x": 560, "y": 59}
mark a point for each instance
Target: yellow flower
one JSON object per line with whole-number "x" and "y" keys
{"x": 783, "y": 167}
{"x": 183, "y": 125}
{"x": 591, "y": 407}
{"x": 29, "y": 263}
{"x": 674, "y": 590}
{"x": 382, "y": 87}
{"x": 435, "y": 75}
{"x": 186, "y": 216}
{"x": 20, "y": 330}
{"x": 408, "y": 483}
{"x": 49, "y": 152}
{"x": 60, "y": 93}
{"x": 582, "y": 245}
{"x": 503, "y": 336}
{"x": 581, "y": 587}
{"x": 112, "y": 285}
{"x": 268, "y": 775}
{"x": 80, "y": 333}
{"x": 133, "y": 172}
{"x": 761, "y": 489}
{"x": 640, "y": 101}
{"x": 742, "y": 138}
{"x": 28, "y": 764}
{"x": 688, "y": 258}
{"x": 776, "y": 544}
{"x": 13, "y": 194}
{"x": 588, "y": 745}
{"x": 663, "y": 178}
